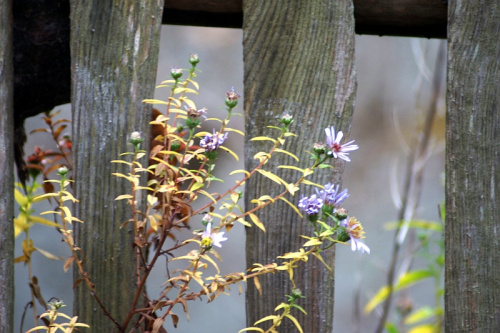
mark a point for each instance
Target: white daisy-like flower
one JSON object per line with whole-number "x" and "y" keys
{"x": 209, "y": 239}
{"x": 336, "y": 149}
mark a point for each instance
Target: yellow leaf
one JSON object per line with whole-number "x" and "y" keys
{"x": 421, "y": 314}
{"x": 291, "y": 205}
{"x": 121, "y": 161}
{"x": 20, "y": 198}
{"x": 207, "y": 258}
{"x": 235, "y": 197}
{"x": 45, "y": 196}
{"x": 287, "y": 152}
{"x": 262, "y": 156}
{"x": 194, "y": 83}
{"x": 292, "y": 188}
{"x": 152, "y": 200}
{"x": 257, "y": 222}
{"x": 263, "y": 138}
{"x": 41, "y": 220}
{"x": 20, "y": 224}
{"x": 296, "y": 323}
{"x": 252, "y": 329}
{"x": 271, "y": 176}
{"x": 197, "y": 186}
{"x": 291, "y": 167}
{"x": 230, "y": 152}
{"x": 154, "y": 101}
{"x": 379, "y": 297}
{"x": 185, "y": 90}
{"x": 124, "y": 196}
{"x": 307, "y": 182}
{"x": 423, "y": 329}
{"x": 49, "y": 255}
{"x": 167, "y": 82}
{"x": 189, "y": 102}
{"x": 271, "y": 317}
{"x": 320, "y": 258}
{"x": 153, "y": 222}
{"x": 228, "y": 129}
{"x": 312, "y": 242}
{"x": 308, "y": 172}
{"x": 240, "y": 171}
{"x": 208, "y": 195}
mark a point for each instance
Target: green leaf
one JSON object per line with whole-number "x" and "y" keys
{"x": 411, "y": 278}
{"x": 404, "y": 281}
{"x": 417, "y": 224}
{"x": 391, "y": 328}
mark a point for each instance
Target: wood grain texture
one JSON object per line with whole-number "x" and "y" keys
{"x": 416, "y": 18}
{"x": 472, "y": 275}
{"x": 6, "y": 169}
{"x": 41, "y": 37}
{"x": 298, "y": 57}
{"x": 115, "y": 46}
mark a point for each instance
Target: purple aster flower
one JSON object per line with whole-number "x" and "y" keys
{"x": 338, "y": 150}
{"x": 311, "y": 205}
{"x": 355, "y": 231}
{"x": 208, "y": 238}
{"x": 213, "y": 141}
{"x": 331, "y": 196}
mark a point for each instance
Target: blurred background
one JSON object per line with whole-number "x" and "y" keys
{"x": 394, "y": 90}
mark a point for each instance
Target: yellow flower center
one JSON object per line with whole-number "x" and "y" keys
{"x": 355, "y": 228}
{"x": 206, "y": 242}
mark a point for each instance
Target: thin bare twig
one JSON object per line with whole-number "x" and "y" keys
{"x": 413, "y": 183}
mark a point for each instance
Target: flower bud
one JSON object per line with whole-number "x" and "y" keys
{"x": 176, "y": 73}
{"x": 286, "y": 119}
{"x": 341, "y": 214}
{"x": 193, "y": 59}
{"x": 136, "y": 138}
{"x": 319, "y": 148}
{"x": 62, "y": 171}
{"x": 206, "y": 219}
{"x": 232, "y": 98}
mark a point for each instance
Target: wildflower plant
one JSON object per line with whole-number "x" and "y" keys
{"x": 179, "y": 169}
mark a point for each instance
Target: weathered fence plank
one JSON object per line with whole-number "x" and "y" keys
{"x": 298, "y": 57}
{"x": 472, "y": 274}
{"x": 115, "y": 46}
{"x": 6, "y": 169}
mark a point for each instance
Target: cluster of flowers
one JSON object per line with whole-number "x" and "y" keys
{"x": 213, "y": 141}
{"x": 326, "y": 202}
